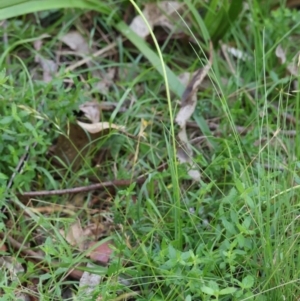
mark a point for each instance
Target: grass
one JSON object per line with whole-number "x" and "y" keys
{"x": 234, "y": 236}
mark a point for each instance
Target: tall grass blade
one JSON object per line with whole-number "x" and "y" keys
{"x": 10, "y": 9}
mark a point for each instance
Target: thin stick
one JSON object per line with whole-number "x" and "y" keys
{"x": 89, "y": 58}
{"x": 114, "y": 183}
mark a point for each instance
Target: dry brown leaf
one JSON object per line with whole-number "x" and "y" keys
{"x": 188, "y": 104}
{"x": 91, "y": 110}
{"x": 12, "y": 266}
{"x": 74, "y": 236}
{"x": 3, "y": 247}
{"x": 185, "y": 154}
{"x": 280, "y": 53}
{"x": 106, "y": 81}
{"x": 238, "y": 54}
{"x": 102, "y": 253}
{"x": 157, "y": 14}
{"x": 76, "y": 42}
{"x": 94, "y": 128}
{"x": 84, "y": 241}
{"x": 185, "y": 77}
{"x": 189, "y": 99}
{"x": 292, "y": 67}
{"x": 88, "y": 283}
{"x": 49, "y": 67}
{"x": 74, "y": 147}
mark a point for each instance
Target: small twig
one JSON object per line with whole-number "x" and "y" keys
{"x": 89, "y": 58}
{"x": 114, "y": 183}
{"x": 20, "y": 247}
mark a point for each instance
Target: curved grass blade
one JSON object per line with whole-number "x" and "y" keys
{"x": 19, "y": 9}
{"x": 175, "y": 85}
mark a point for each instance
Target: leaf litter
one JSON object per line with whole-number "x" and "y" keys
{"x": 292, "y": 67}
{"x": 92, "y": 111}
{"x": 79, "y": 44}
{"x": 187, "y": 108}
{"x": 48, "y": 66}
{"x": 72, "y": 147}
{"x": 86, "y": 240}
{"x": 83, "y": 238}
{"x": 164, "y": 14}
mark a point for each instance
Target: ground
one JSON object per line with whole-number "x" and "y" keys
{"x": 149, "y": 160}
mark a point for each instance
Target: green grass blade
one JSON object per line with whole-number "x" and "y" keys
{"x": 200, "y": 21}
{"x": 214, "y": 17}
{"x": 210, "y": 16}
{"x": 7, "y": 3}
{"x": 19, "y": 9}
{"x": 175, "y": 85}
{"x": 219, "y": 20}
{"x": 227, "y": 19}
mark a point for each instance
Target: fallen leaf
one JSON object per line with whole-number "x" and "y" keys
{"x": 102, "y": 253}
{"x": 186, "y": 112}
{"x": 188, "y": 105}
{"x": 96, "y": 230}
{"x": 73, "y": 148}
{"x": 11, "y": 266}
{"x": 74, "y": 235}
{"x": 106, "y": 81}
{"x": 185, "y": 77}
{"x": 292, "y": 67}
{"x": 84, "y": 240}
{"x": 139, "y": 26}
{"x": 280, "y": 53}
{"x": 49, "y": 67}
{"x": 76, "y": 42}
{"x": 3, "y": 247}
{"x": 185, "y": 154}
{"x": 91, "y": 110}
{"x": 157, "y": 14}
{"x": 88, "y": 283}
{"x": 240, "y": 55}
{"x": 94, "y": 128}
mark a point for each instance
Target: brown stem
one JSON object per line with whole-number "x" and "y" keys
{"x": 114, "y": 183}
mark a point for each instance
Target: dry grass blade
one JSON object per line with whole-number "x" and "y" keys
{"x": 95, "y": 128}
{"x": 108, "y": 49}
